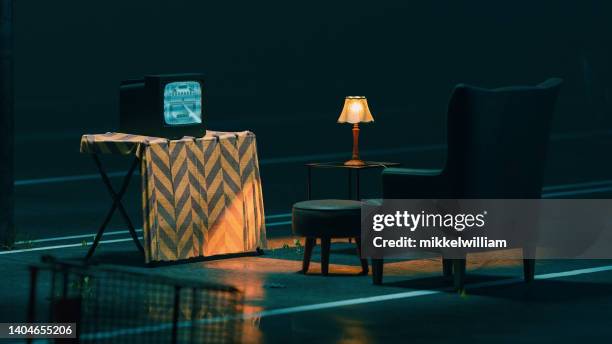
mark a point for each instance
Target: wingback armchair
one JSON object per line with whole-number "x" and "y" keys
{"x": 497, "y": 141}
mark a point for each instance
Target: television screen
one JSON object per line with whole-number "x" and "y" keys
{"x": 164, "y": 105}
{"x": 182, "y": 103}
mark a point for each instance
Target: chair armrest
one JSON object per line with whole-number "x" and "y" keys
{"x": 409, "y": 183}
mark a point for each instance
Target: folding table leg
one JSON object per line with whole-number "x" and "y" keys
{"x": 98, "y": 237}
{"x": 116, "y": 204}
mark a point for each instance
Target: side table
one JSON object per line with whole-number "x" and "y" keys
{"x": 350, "y": 169}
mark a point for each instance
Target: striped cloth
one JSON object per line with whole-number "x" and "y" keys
{"x": 200, "y": 197}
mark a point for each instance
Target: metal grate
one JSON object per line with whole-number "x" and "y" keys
{"x": 112, "y": 305}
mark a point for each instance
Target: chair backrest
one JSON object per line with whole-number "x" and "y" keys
{"x": 498, "y": 138}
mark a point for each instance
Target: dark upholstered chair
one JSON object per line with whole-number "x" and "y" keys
{"x": 497, "y": 143}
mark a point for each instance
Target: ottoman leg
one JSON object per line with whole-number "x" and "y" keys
{"x": 364, "y": 262}
{"x": 308, "y": 246}
{"x": 325, "y": 246}
{"x": 377, "y": 271}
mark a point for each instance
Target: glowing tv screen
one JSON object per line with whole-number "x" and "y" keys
{"x": 164, "y": 105}
{"x": 182, "y": 103}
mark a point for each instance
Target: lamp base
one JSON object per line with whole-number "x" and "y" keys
{"x": 354, "y": 162}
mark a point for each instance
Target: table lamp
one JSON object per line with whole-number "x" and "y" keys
{"x": 355, "y": 111}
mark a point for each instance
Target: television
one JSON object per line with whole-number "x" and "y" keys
{"x": 168, "y": 106}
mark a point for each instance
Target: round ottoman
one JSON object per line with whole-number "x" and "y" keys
{"x": 326, "y": 219}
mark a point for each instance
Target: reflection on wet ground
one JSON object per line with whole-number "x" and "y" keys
{"x": 283, "y": 305}
{"x": 273, "y": 281}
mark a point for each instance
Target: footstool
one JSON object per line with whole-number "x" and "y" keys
{"x": 326, "y": 219}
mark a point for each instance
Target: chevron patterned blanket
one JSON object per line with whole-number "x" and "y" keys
{"x": 200, "y": 197}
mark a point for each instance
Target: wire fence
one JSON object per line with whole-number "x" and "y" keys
{"x": 113, "y": 305}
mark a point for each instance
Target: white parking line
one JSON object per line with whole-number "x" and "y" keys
{"x": 417, "y": 293}
{"x": 70, "y": 237}
{"x": 45, "y": 248}
{"x": 561, "y": 194}
{"x": 587, "y": 188}
{"x": 54, "y": 247}
{"x": 138, "y": 230}
{"x": 262, "y": 162}
{"x": 333, "y": 304}
{"x": 311, "y": 157}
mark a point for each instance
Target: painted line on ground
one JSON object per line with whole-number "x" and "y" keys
{"x": 138, "y": 230}
{"x": 276, "y": 224}
{"x": 577, "y": 185}
{"x": 340, "y": 155}
{"x": 54, "y": 247}
{"x": 278, "y": 216}
{"x": 45, "y": 248}
{"x": 262, "y": 162}
{"x": 576, "y": 192}
{"x": 284, "y": 215}
{"x": 410, "y": 294}
{"x": 70, "y": 237}
{"x": 63, "y": 179}
{"x": 309, "y": 157}
{"x": 334, "y": 304}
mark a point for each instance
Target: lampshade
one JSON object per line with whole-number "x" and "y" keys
{"x": 355, "y": 110}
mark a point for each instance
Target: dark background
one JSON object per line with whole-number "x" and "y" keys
{"x": 281, "y": 70}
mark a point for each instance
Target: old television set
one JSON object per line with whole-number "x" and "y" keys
{"x": 169, "y": 106}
